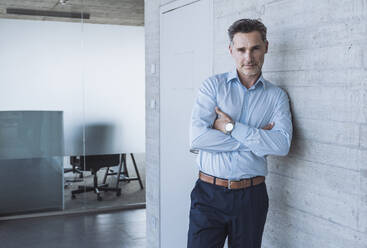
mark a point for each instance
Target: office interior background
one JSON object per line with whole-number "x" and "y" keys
{"x": 80, "y": 94}
{"x": 72, "y": 113}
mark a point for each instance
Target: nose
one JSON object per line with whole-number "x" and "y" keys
{"x": 248, "y": 57}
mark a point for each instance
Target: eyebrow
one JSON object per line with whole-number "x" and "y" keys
{"x": 244, "y": 48}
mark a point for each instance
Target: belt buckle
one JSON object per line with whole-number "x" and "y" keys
{"x": 229, "y": 184}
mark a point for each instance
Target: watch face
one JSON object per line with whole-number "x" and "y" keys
{"x": 229, "y": 127}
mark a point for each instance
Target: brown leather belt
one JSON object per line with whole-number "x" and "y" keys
{"x": 240, "y": 184}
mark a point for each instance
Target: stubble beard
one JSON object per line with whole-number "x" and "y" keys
{"x": 251, "y": 72}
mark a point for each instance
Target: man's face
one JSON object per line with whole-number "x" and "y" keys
{"x": 248, "y": 51}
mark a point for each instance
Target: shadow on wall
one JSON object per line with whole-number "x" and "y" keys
{"x": 99, "y": 139}
{"x": 281, "y": 190}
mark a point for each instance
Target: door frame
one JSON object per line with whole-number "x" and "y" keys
{"x": 165, "y": 8}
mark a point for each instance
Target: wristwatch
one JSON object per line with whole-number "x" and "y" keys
{"x": 229, "y": 127}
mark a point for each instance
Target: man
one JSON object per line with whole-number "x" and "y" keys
{"x": 238, "y": 119}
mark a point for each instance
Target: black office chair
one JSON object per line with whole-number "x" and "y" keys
{"x": 93, "y": 163}
{"x": 74, "y": 170}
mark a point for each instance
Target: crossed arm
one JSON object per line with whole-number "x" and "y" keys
{"x": 208, "y": 134}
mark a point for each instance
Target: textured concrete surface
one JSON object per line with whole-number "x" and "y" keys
{"x": 152, "y": 121}
{"x": 317, "y": 54}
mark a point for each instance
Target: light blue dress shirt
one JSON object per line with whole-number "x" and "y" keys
{"x": 243, "y": 153}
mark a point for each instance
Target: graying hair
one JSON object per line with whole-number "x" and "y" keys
{"x": 247, "y": 26}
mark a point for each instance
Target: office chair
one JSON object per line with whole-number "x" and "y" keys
{"x": 74, "y": 170}
{"x": 123, "y": 175}
{"x": 93, "y": 163}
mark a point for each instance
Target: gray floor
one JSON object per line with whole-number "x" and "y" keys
{"x": 125, "y": 229}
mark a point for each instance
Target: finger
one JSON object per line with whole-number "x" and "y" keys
{"x": 268, "y": 126}
{"x": 221, "y": 113}
{"x": 218, "y": 114}
{"x": 265, "y": 127}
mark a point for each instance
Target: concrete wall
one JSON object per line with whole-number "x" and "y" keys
{"x": 318, "y": 193}
{"x": 317, "y": 53}
{"x": 152, "y": 121}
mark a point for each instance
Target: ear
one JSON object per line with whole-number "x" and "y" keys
{"x": 266, "y": 46}
{"x": 230, "y": 48}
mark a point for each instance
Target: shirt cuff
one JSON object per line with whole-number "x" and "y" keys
{"x": 240, "y": 131}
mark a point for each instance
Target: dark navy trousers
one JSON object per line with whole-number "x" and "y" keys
{"x": 217, "y": 212}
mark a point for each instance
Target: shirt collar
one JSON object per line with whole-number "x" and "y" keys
{"x": 233, "y": 75}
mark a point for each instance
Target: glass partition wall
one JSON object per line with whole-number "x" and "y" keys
{"x": 72, "y": 115}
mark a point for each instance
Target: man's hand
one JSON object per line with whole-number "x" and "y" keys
{"x": 224, "y": 118}
{"x": 221, "y": 120}
{"x": 269, "y": 126}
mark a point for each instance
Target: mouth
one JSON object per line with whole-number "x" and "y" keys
{"x": 249, "y": 66}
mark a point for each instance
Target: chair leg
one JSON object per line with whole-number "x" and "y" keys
{"x": 125, "y": 173}
{"x": 137, "y": 171}
{"x": 119, "y": 173}
{"x": 97, "y": 188}
{"x": 95, "y": 185}
{"x": 105, "y": 175}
